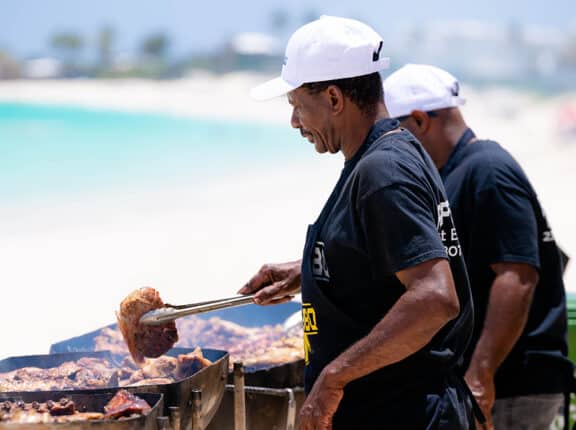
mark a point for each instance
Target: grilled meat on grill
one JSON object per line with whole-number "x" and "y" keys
{"x": 82, "y": 373}
{"x": 256, "y": 347}
{"x": 89, "y": 372}
{"x": 175, "y": 368}
{"x": 61, "y": 411}
{"x": 144, "y": 341}
{"x": 125, "y": 404}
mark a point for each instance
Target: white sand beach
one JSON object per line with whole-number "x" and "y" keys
{"x": 65, "y": 265}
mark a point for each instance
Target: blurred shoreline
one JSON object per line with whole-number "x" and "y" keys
{"x": 201, "y": 95}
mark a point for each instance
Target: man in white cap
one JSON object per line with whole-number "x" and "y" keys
{"x": 387, "y": 307}
{"x": 516, "y": 365}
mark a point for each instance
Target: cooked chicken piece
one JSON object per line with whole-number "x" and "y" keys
{"x": 144, "y": 341}
{"x": 148, "y": 381}
{"x": 191, "y": 363}
{"x": 125, "y": 404}
{"x": 83, "y": 416}
{"x": 162, "y": 367}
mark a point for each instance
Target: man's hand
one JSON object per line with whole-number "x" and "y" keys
{"x": 482, "y": 386}
{"x": 274, "y": 283}
{"x": 321, "y": 404}
{"x": 508, "y": 307}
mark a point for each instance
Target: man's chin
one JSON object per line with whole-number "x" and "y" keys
{"x": 320, "y": 149}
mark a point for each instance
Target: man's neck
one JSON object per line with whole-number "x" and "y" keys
{"x": 356, "y": 128}
{"x": 452, "y": 135}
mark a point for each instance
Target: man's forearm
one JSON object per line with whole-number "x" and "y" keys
{"x": 507, "y": 313}
{"x": 409, "y": 325}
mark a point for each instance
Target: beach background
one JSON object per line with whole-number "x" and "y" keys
{"x": 188, "y": 187}
{"x": 131, "y": 154}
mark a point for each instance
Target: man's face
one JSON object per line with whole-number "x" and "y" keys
{"x": 311, "y": 115}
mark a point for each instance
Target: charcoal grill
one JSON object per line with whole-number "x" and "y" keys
{"x": 210, "y": 381}
{"x": 93, "y": 402}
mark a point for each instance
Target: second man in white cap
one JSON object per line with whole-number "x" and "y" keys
{"x": 517, "y": 364}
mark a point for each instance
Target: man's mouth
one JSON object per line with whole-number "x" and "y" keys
{"x": 307, "y": 135}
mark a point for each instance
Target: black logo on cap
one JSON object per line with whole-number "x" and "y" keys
{"x": 376, "y": 55}
{"x": 455, "y": 90}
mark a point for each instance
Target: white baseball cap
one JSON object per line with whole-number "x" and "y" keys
{"x": 420, "y": 87}
{"x": 326, "y": 49}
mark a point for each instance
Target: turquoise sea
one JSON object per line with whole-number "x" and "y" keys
{"x": 104, "y": 202}
{"x": 47, "y": 150}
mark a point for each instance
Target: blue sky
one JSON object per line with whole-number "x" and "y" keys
{"x": 26, "y": 25}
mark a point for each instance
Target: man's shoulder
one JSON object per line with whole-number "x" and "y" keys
{"x": 391, "y": 159}
{"x": 397, "y": 162}
{"x": 487, "y": 163}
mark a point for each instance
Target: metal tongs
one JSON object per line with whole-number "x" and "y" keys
{"x": 172, "y": 312}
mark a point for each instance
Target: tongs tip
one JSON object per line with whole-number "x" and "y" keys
{"x": 157, "y": 316}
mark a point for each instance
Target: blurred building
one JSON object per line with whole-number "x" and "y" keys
{"x": 42, "y": 68}
{"x": 489, "y": 52}
{"x": 250, "y": 51}
{"x": 9, "y": 67}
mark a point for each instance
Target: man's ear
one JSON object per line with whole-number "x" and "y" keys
{"x": 422, "y": 120}
{"x": 335, "y": 98}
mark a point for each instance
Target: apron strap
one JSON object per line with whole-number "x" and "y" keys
{"x": 478, "y": 414}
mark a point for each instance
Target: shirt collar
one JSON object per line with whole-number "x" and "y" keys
{"x": 457, "y": 153}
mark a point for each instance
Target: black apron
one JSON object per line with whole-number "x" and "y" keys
{"x": 416, "y": 393}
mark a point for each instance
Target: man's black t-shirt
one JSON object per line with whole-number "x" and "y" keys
{"x": 499, "y": 219}
{"x": 389, "y": 213}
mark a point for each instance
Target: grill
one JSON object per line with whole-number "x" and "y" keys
{"x": 210, "y": 381}
{"x": 273, "y": 392}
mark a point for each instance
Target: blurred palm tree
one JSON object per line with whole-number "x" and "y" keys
{"x": 279, "y": 20}
{"x": 106, "y": 39}
{"x": 69, "y": 45}
{"x": 156, "y": 46}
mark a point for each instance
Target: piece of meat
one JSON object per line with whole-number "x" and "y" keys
{"x": 144, "y": 341}
{"x": 190, "y": 363}
{"x": 63, "y": 407}
{"x": 150, "y": 381}
{"x": 163, "y": 367}
{"x": 125, "y": 404}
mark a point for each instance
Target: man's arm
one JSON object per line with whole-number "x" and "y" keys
{"x": 508, "y": 306}
{"x": 430, "y": 301}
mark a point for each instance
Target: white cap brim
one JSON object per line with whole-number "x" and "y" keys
{"x": 274, "y": 88}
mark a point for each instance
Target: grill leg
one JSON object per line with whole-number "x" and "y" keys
{"x": 197, "y": 410}
{"x": 239, "y": 398}
{"x": 291, "y": 414}
{"x": 174, "y": 417}
{"x": 163, "y": 423}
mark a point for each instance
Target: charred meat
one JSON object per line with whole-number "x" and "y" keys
{"x": 91, "y": 372}
{"x": 144, "y": 341}
{"x": 61, "y": 411}
{"x": 125, "y": 404}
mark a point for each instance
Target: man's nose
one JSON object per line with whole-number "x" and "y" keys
{"x": 294, "y": 121}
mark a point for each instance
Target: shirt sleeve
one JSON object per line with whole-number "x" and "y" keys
{"x": 400, "y": 228}
{"x": 506, "y": 225}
